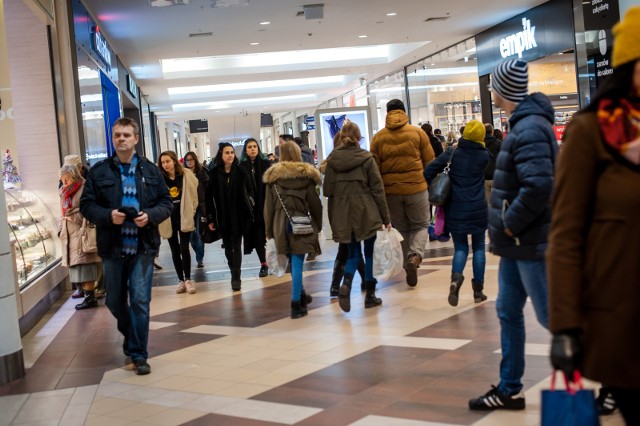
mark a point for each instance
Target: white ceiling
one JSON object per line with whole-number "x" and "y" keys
{"x": 143, "y": 36}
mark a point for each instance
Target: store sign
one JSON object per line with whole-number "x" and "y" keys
{"x": 599, "y": 17}
{"x": 517, "y": 43}
{"x": 132, "y": 87}
{"x": 100, "y": 46}
{"x": 534, "y": 34}
{"x": 198, "y": 126}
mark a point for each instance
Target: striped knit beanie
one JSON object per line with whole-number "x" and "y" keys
{"x": 510, "y": 79}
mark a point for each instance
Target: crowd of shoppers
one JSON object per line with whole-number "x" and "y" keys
{"x": 578, "y": 270}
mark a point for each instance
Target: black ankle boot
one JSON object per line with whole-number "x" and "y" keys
{"x": 344, "y": 295}
{"x": 305, "y": 299}
{"x": 454, "y": 289}
{"x": 363, "y": 285}
{"x": 370, "y": 300}
{"x": 478, "y": 295}
{"x": 89, "y": 301}
{"x": 297, "y": 310}
{"x": 338, "y": 271}
{"x": 236, "y": 283}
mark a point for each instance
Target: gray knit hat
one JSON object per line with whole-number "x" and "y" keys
{"x": 510, "y": 79}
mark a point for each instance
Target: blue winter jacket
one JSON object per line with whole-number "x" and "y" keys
{"x": 523, "y": 181}
{"x": 466, "y": 209}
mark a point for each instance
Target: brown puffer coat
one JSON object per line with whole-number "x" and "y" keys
{"x": 402, "y": 152}
{"x": 356, "y": 194}
{"x": 69, "y": 232}
{"x": 296, "y": 182}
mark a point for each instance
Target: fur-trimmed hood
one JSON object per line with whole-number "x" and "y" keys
{"x": 291, "y": 170}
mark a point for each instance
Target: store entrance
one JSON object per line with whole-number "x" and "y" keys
{"x": 555, "y": 76}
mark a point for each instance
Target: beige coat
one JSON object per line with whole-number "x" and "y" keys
{"x": 296, "y": 182}
{"x": 69, "y": 232}
{"x": 402, "y": 152}
{"x": 188, "y": 206}
{"x": 592, "y": 258}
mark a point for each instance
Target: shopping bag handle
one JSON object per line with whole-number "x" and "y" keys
{"x": 572, "y": 388}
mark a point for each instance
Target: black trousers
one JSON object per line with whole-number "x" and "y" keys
{"x": 180, "y": 253}
{"x": 233, "y": 250}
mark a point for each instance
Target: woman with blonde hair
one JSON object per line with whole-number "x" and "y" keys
{"x": 291, "y": 192}
{"x": 357, "y": 208}
{"x": 183, "y": 189}
{"x": 83, "y": 267}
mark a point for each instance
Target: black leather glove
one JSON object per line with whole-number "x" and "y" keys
{"x": 566, "y": 353}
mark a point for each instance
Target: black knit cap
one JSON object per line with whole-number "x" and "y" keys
{"x": 394, "y": 104}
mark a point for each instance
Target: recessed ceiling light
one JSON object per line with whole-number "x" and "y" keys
{"x": 255, "y": 43}
{"x": 362, "y": 36}
{"x": 391, "y": 14}
{"x": 265, "y": 22}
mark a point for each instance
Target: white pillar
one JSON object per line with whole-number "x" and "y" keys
{"x": 11, "y": 359}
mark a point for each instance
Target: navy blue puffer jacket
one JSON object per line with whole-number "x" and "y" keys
{"x": 466, "y": 209}
{"x": 523, "y": 181}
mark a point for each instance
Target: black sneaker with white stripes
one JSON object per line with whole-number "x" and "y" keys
{"x": 496, "y": 400}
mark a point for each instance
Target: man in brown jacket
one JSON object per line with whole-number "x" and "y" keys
{"x": 402, "y": 152}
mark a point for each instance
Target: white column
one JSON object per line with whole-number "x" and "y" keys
{"x": 11, "y": 359}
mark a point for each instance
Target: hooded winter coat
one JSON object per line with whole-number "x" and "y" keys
{"x": 402, "y": 152}
{"x": 523, "y": 181}
{"x": 296, "y": 182}
{"x": 188, "y": 206}
{"x": 70, "y": 231}
{"x": 357, "y": 203}
{"x": 466, "y": 208}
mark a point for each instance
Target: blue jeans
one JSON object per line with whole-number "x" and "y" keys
{"x": 297, "y": 260}
{"x": 132, "y": 275}
{"x": 518, "y": 279}
{"x": 355, "y": 254}
{"x": 461, "y": 252}
{"x": 196, "y": 242}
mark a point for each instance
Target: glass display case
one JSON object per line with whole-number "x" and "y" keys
{"x": 33, "y": 235}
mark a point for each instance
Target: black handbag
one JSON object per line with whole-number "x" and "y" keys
{"x": 440, "y": 187}
{"x": 208, "y": 236}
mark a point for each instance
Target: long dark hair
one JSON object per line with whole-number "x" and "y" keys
{"x": 176, "y": 163}
{"x": 218, "y": 160}
{"x": 428, "y": 129}
{"x": 244, "y": 157}
{"x": 198, "y": 167}
{"x": 617, "y": 86}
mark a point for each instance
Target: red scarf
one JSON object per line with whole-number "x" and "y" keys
{"x": 619, "y": 121}
{"x": 67, "y": 193}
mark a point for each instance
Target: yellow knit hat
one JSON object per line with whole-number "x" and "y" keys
{"x": 474, "y": 131}
{"x": 626, "y": 42}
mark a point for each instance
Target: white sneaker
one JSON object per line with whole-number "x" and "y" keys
{"x": 181, "y": 287}
{"x": 191, "y": 286}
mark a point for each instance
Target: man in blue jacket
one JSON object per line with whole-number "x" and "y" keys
{"x": 126, "y": 198}
{"x": 519, "y": 218}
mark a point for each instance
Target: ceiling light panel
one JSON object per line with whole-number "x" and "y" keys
{"x": 284, "y": 61}
{"x": 234, "y": 102}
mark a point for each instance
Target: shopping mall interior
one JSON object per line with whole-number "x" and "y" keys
{"x": 195, "y": 73}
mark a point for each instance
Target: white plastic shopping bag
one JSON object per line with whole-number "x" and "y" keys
{"x": 387, "y": 254}
{"x": 277, "y": 263}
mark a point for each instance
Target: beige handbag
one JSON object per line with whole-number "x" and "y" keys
{"x": 88, "y": 242}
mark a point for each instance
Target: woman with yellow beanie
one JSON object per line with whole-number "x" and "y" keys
{"x": 465, "y": 212}
{"x": 592, "y": 259}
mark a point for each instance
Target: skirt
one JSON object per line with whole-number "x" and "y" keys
{"x": 83, "y": 273}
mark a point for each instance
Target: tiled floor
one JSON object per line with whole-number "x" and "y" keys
{"x": 222, "y": 358}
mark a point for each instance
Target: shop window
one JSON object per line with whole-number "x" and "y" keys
{"x": 443, "y": 88}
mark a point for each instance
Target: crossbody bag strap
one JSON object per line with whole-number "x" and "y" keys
{"x": 275, "y": 186}
{"x": 447, "y": 168}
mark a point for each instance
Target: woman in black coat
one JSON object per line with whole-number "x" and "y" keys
{"x": 436, "y": 143}
{"x": 256, "y": 163}
{"x": 466, "y": 209}
{"x": 192, "y": 163}
{"x": 229, "y": 201}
